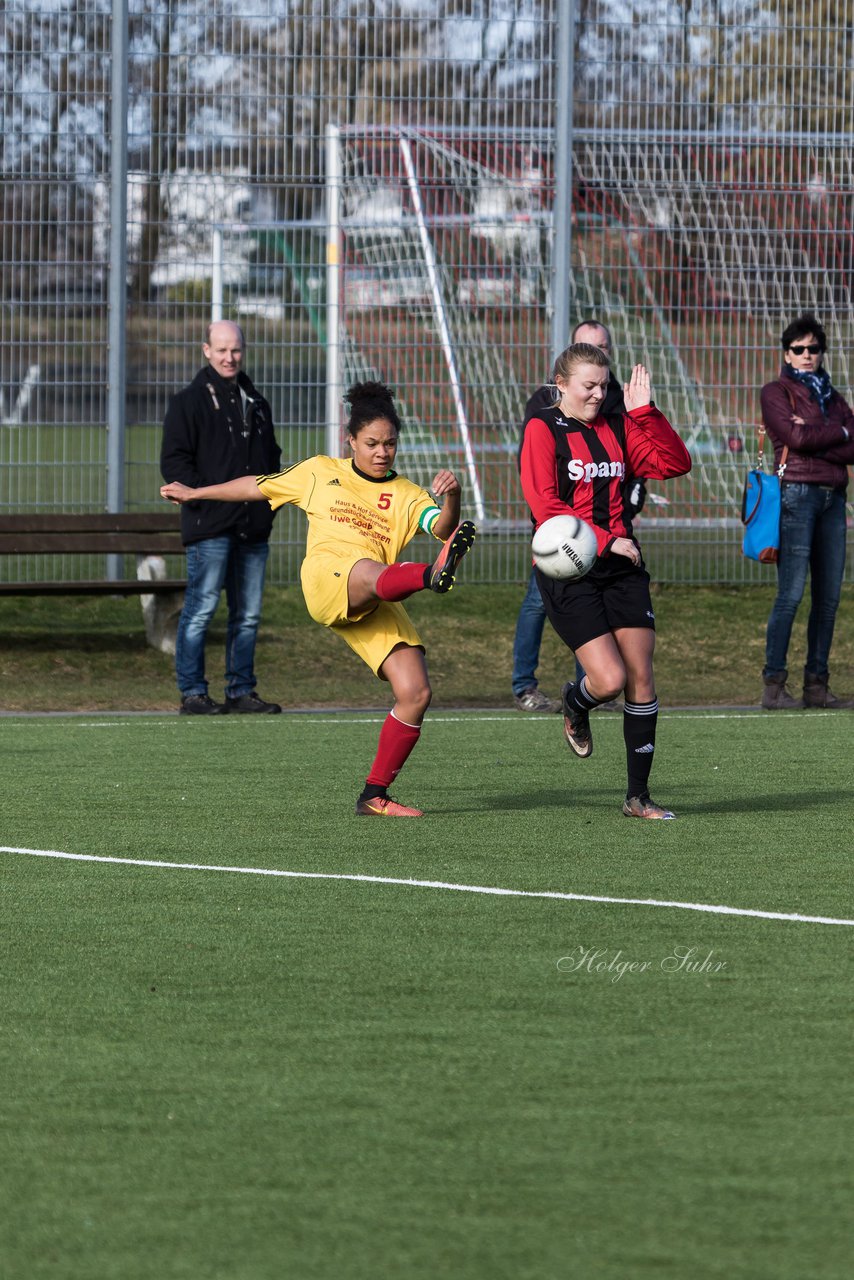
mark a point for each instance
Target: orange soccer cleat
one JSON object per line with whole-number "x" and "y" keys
{"x": 385, "y": 807}
{"x": 445, "y": 564}
{"x": 643, "y": 807}
{"x": 576, "y": 726}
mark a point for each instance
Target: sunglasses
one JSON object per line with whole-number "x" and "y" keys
{"x": 813, "y": 349}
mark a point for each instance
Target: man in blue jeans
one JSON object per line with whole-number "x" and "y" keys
{"x": 216, "y": 429}
{"x": 527, "y": 695}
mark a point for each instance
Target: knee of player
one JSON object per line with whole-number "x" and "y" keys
{"x": 606, "y": 684}
{"x": 422, "y": 697}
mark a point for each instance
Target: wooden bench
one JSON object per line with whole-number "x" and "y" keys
{"x": 148, "y": 535}
{"x": 145, "y": 534}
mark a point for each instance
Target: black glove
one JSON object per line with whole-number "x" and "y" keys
{"x": 635, "y": 496}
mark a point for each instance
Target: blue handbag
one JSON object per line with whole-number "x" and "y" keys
{"x": 760, "y": 508}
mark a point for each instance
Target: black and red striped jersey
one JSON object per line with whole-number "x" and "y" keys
{"x": 566, "y": 463}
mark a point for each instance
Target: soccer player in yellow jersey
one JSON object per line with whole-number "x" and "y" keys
{"x": 361, "y": 514}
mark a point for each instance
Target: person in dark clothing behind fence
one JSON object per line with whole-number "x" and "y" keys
{"x": 218, "y": 428}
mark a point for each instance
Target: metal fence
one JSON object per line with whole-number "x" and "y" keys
{"x": 712, "y": 199}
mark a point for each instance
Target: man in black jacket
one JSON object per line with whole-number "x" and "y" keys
{"x": 216, "y": 429}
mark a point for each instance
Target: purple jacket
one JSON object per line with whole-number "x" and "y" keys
{"x": 820, "y": 449}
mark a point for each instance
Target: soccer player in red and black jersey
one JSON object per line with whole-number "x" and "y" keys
{"x": 573, "y": 459}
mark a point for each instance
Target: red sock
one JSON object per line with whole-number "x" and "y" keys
{"x": 401, "y": 580}
{"x": 396, "y": 741}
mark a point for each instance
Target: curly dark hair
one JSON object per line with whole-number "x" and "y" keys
{"x": 800, "y": 328}
{"x": 369, "y": 401}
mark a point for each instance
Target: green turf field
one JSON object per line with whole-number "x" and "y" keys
{"x": 336, "y": 1076}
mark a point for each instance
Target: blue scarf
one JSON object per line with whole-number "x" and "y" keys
{"x": 817, "y": 384}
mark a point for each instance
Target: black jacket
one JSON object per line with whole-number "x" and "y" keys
{"x": 206, "y": 441}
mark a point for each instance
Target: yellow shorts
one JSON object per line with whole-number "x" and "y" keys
{"x": 373, "y": 633}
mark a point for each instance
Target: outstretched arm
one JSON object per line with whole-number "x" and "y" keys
{"x": 243, "y": 489}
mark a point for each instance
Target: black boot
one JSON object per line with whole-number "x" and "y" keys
{"x": 775, "y": 695}
{"x": 817, "y": 693}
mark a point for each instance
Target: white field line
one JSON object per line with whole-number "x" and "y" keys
{"x": 709, "y": 908}
{"x": 343, "y": 719}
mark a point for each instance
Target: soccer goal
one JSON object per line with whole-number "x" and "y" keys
{"x": 443, "y": 279}
{"x": 443, "y": 292}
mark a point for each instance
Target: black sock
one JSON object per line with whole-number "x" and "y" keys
{"x": 580, "y": 698}
{"x": 639, "y": 721}
{"x": 371, "y": 791}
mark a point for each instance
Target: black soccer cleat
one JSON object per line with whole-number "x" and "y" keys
{"x": 576, "y": 726}
{"x": 446, "y": 562}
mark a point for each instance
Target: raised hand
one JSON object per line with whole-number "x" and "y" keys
{"x": 637, "y": 392}
{"x": 444, "y": 482}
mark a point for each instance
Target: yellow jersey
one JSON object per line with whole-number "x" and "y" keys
{"x": 349, "y": 514}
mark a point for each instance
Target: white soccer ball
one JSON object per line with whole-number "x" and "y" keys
{"x": 564, "y": 547}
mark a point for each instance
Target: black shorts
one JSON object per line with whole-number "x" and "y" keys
{"x": 598, "y": 604}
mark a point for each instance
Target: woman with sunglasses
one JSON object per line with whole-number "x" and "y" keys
{"x": 804, "y": 413}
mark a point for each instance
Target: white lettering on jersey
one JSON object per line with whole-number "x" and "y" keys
{"x": 590, "y": 471}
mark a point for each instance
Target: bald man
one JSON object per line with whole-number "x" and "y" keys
{"x": 216, "y": 429}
